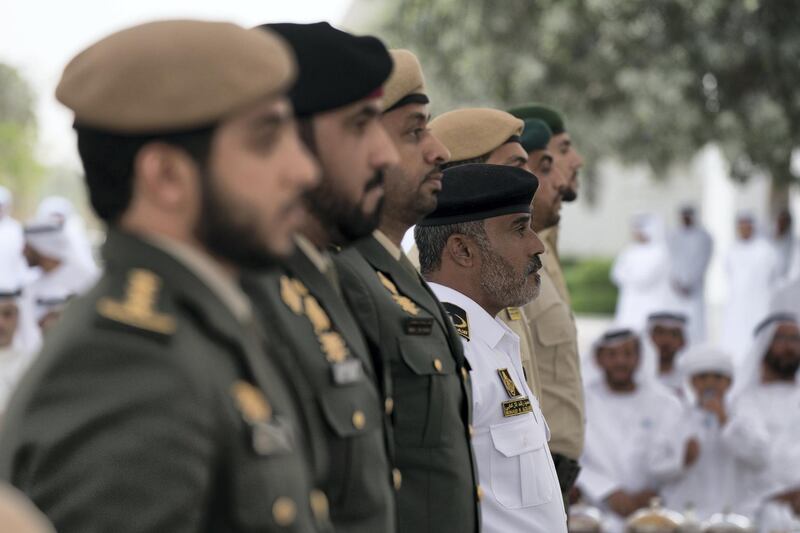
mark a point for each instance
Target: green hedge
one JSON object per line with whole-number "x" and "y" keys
{"x": 589, "y": 285}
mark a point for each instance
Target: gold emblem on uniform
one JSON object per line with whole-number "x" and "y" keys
{"x": 386, "y": 282}
{"x": 406, "y": 305}
{"x": 251, "y": 402}
{"x": 514, "y": 313}
{"x": 284, "y": 511}
{"x": 508, "y": 383}
{"x": 517, "y": 406}
{"x": 334, "y": 346}
{"x": 299, "y": 287}
{"x": 138, "y": 307}
{"x": 318, "y": 317}
{"x": 459, "y": 319}
{"x": 290, "y": 295}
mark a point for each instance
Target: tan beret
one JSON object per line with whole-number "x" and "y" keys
{"x": 473, "y": 132}
{"x": 406, "y": 78}
{"x": 173, "y": 75}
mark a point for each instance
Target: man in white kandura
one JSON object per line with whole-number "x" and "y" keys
{"x": 480, "y": 255}
{"x": 690, "y": 247}
{"x": 632, "y": 442}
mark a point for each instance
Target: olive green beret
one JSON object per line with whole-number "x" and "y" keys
{"x": 173, "y": 75}
{"x": 406, "y": 84}
{"x": 536, "y": 135}
{"x": 473, "y": 132}
{"x": 552, "y": 117}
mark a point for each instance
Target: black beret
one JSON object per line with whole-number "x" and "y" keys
{"x": 478, "y": 191}
{"x": 551, "y": 117}
{"x": 335, "y": 67}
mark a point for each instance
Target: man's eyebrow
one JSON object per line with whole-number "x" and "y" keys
{"x": 417, "y": 117}
{"x": 368, "y": 111}
{"x": 517, "y": 159}
{"x": 268, "y": 120}
{"x": 524, "y": 220}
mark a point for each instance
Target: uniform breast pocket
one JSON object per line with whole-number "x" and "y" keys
{"x": 522, "y": 474}
{"x": 554, "y": 328}
{"x": 425, "y": 384}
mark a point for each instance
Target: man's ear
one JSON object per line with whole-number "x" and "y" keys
{"x": 462, "y": 250}
{"x": 166, "y": 176}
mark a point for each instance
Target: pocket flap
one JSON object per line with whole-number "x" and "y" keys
{"x": 350, "y": 411}
{"x": 555, "y": 325}
{"x": 424, "y": 355}
{"x": 518, "y": 437}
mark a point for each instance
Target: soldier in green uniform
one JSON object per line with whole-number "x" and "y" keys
{"x": 425, "y": 377}
{"x": 327, "y": 359}
{"x": 153, "y": 407}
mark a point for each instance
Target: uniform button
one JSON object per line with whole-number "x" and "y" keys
{"x": 464, "y": 373}
{"x": 397, "y": 478}
{"x": 319, "y": 505}
{"x": 359, "y": 420}
{"x": 471, "y": 431}
{"x": 284, "y": 511}
{"x": 479, "y": 493}
{"x": 388, "y": 405}
{"x": 437, "y": 364}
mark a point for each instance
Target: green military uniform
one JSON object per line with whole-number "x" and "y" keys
{"x": 328, "y": 362}
{"x": 154, "y": 408}
{"x": 425, "y": 383}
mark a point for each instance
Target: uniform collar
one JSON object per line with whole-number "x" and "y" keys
{"x": 210, "y": 273}
{"x": 387, "y": 243}
{"x": 321, "y": 260}
{"x": 481, "y": 324}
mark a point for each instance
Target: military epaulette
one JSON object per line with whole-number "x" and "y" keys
{"x": 459, "y": 319}
{"x": 137, "y": 308}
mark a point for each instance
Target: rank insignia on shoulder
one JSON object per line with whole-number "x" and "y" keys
{"x": 137, "y": 309}
{"x": 508, "y": 383}
{"x": 316, "y": 315}
{"x": 251, "y": 402}
{"x": 514, "y": 313}
{"x": 459, "y": 319}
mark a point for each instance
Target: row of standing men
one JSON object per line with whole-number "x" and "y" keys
{"x": 259, "y": 354}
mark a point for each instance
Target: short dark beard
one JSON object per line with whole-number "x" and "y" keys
{"x": 569, "y": 195}
{"x": 345, "y": 222}
{"x": 784, "y": 369}
{"x": 228, "y": 232}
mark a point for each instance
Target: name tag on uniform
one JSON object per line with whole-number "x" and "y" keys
{"x": 418, "y": 326}
{"x": 347, "y": 371}
{"x": 517, "y": 407}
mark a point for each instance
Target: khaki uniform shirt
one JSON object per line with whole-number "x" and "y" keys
{"x": 515, "y": 318}
{"x": 555, "y": 344}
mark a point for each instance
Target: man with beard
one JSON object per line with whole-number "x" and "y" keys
{"x": 666, "y": 333}
{"x": 417, "y": 354}
{"x": 480, "y": 255}
{"x": 633, "y": 444}
{"x": 766, "y": 408}
{"x": 300, "y": 304}
{"x": 153, "y": 406}
{"x": 494, "y": 137}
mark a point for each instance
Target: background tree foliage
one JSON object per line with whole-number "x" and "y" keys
{"x": 19, "y": 168}
{"x": 642, "y": 80}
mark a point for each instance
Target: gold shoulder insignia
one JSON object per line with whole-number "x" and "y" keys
{"x": 334, "y": 346}
{"x": 138, "y": 307}
{"x": 459, "y": 319}
{"x": 514, "y": 313}
{"x": 251, "y": 402}
{"x": 406, "y": 304}
{"x": 291, "y": 296}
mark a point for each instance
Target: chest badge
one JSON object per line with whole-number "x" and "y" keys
{"x": 518, "y": 404}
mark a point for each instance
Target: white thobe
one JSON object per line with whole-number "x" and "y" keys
{"x": 711, "y": 484}
{"x": 786, "y": 296}
{"x": 13, "y": 364}
{"x": 752, "y": 269}
{"x": 641, "y": 272}
{"x": 785, "y": 250}
{"x": 12, "y": 242}
{"x": 68, "y": 279}
{"x": 631, "y": 444}
{"x": 515, "y": 468}
{"x": 765, "y": 424}
{"x": 690, "y": 252}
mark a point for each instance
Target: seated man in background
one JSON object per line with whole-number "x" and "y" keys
{"x": 667, "y": 335}
{"x": 630, "y": 434}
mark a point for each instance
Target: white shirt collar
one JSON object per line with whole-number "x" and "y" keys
{"x": 481, "y": 324}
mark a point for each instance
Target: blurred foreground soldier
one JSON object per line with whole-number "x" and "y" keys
{"x": 766, "y": 409}
{"x": 152, "y": 407}
{"x": 690, "y": 248}
{"x": 549, "y": 318}
{"x": 479, "y": 253}
{"x": 666, "y": 332}
{"x": 494, "y": 137}
{"x": 752, "y": 270}
{"x": 711, "y": 484}
{"x": 641, "y": 273}
{"x": 328, "y": 360}
{"x": 417, "y": 354}
{"x": 631, "y": 443}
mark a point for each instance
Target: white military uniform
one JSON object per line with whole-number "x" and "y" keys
{"x": 517, "y": 476}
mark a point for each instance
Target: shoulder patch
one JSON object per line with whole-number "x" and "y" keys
{"x": 459, "y": 319}
{"x": 137, "y": 308}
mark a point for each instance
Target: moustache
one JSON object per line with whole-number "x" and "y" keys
{"x": 375, "y": 182}
{"x": 535, "y": 265}
{"x": 435, "y": 173}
